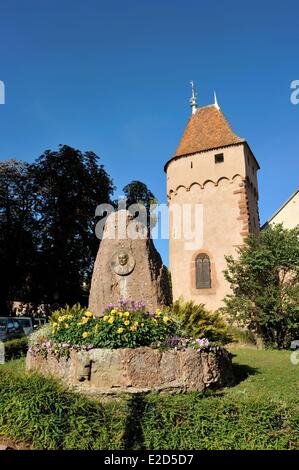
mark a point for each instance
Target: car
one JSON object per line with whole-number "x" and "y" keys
{"x": 38, "y": 322}
{"x": 10, "y": 328}
{"x": 15, "y": 327}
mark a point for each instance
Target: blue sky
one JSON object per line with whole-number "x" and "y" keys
{"x": 113, "y": 77}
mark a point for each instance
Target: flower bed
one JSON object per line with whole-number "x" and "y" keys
{"x": 127, "y": 350}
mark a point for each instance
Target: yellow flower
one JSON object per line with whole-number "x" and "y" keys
{"x": 127, "y": 314}
{"x": 84, "y": 320}
{"x": 88, "y": 314}
{"x": 55, "y": 324}
{"x": 66, "y": 325}
{"x": 158, "y": 312}
{"x": 85, "y": 334}
{"x": 166, "y": 319}
{"x": 61, "y": 319}
{"x": 142, "y": 324}
{"x": 113, "y": 310}
{"x": 136, "y": 323}
{"x": 133, "y": 328}
{"x": 127, "y": 322}
{"x": 105, "y": 318}
{"x": 120, "y": 314}
{"x": 111, "y": 320}
{"x": 154, "y": 321}
{"x": 120, "y": 330}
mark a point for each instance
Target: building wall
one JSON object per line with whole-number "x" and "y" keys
{"x": 229, "y": 206}
{"x": 251, "y": 168}
{"x": 289, "y": 214}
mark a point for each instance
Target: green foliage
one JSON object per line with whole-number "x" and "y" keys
{"x": 68, "y": 311}
{"x": 126, "y": 325}
{"x": 17, "y": 230}
{"x": 69, "y": 186}
{"x": 40, "y": 335}
{"x": 39, "y": 410}
{"x": 242, "y": 335}
{"x": 261, "y": 412}
{"x": 16, "y": 348}
{"x": 137, "y": 192}
{"x": 265, "y": 283}
{"x": 197, "y": 322}
{"x": 47, "y": 240}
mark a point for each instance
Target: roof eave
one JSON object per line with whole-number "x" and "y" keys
{"x": 279, "y": 209}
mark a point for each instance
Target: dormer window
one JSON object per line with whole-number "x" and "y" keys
{"x": 219, "y": 158}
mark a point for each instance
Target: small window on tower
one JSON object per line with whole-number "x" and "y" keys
{"x": 203, "y": 271}
{"x": 191, "y": 164}
{"x": 219, "y": 158}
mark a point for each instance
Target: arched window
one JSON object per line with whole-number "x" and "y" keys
{"x": 203, "y": 271}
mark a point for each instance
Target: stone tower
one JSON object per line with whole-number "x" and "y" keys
{"x": 215, "y": 169}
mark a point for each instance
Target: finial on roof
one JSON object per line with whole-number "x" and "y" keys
{"x": 215, "y": 101}
{"x": 192, "y": 100}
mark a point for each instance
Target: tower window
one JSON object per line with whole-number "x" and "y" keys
{"x": 191, "y": 164}
{"x": 203, "y": 271}
{"x": 219, "y": 158}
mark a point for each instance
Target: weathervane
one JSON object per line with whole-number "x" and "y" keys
{"x": 192, "y": 100}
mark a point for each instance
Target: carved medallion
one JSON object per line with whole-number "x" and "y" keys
{"x": 122, "y": 263}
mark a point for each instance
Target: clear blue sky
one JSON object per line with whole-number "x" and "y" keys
{"x": 112, "y": 77}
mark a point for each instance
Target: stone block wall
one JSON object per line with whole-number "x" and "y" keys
{"x": 114, "y": 371}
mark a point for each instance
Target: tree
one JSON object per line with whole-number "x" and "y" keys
{"x": 17, "y": 231}
{"x": 265, "y": 284}
{"x": 69, "y": 185}
{"x": 137, "y": 192}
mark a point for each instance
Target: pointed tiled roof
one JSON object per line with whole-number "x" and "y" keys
{"x": 207, "y": 129}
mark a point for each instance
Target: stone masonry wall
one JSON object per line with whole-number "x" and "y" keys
{"x": 112, "y": 371}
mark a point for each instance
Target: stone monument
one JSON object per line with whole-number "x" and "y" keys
{"x": 128, "y": 266}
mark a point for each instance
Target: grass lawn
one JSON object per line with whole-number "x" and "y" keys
{"x": 266, "y": 375}
{"x": 260, "y": 412}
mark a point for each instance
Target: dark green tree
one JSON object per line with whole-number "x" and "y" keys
{"x": 137, "y": 192}
{"x": 17, "y": 231}
{"x": 69, "y": 185}
{"x": 265, "y": 284}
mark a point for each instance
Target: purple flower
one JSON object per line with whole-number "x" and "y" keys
{"x": 173, "y": 341}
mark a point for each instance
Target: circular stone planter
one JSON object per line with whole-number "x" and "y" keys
{"x": 113, "y": 371}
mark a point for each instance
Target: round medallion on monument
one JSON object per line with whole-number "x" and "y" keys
{"x": 122, "y": 263}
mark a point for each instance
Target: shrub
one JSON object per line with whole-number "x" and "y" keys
{"x": 15, "y": 348}
{"x": 265, "y": 284}
{"x": 67, "y": 311}
{"x": 197, "y": 322}
{"x": 40, "y": 335}
{"x": 242, "y": 335}
{"x": 124, "y": 325}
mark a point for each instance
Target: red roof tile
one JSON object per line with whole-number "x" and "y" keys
{"x": 207, "y": 129}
